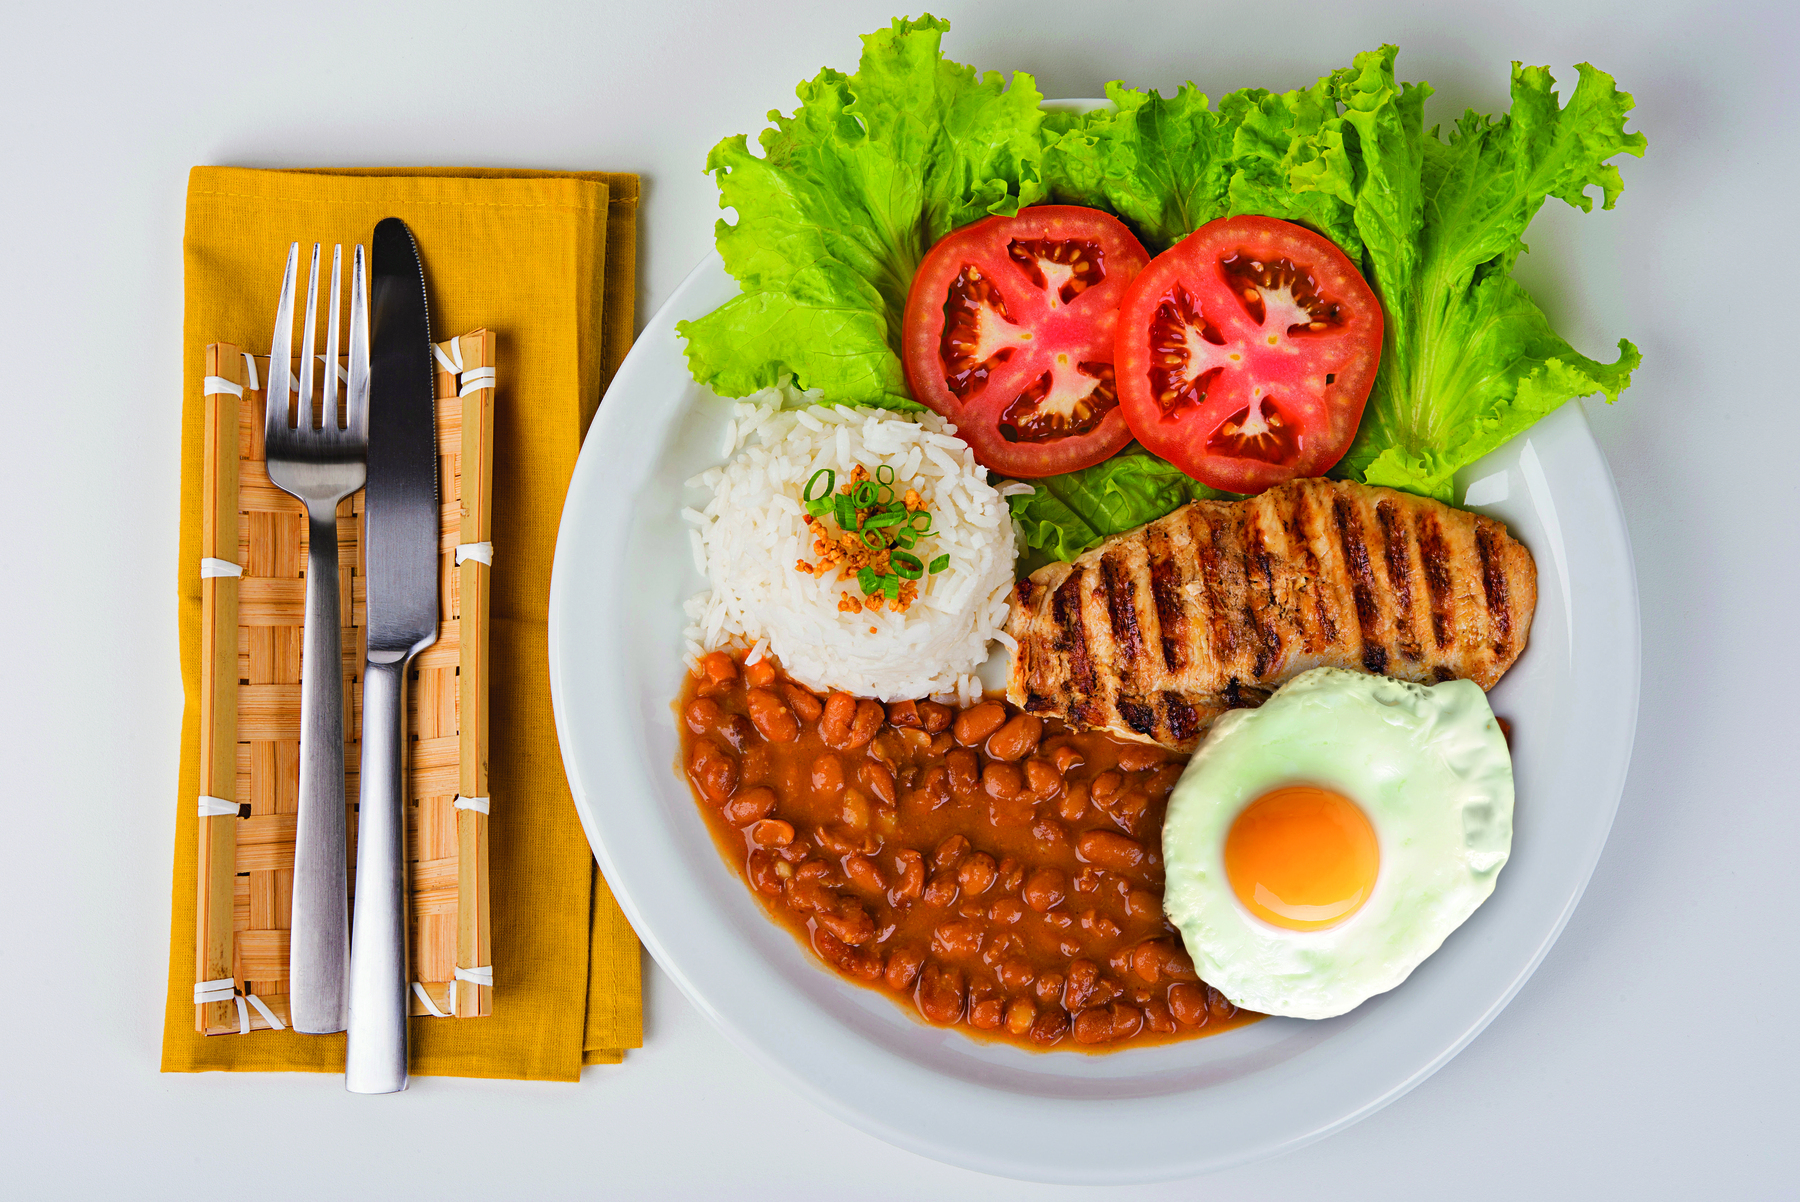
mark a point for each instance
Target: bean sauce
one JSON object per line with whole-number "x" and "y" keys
{"x": 994, "y": 870}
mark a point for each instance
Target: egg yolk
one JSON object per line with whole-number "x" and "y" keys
{"x": 1302, "y": 857}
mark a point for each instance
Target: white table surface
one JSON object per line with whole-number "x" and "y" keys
{"x": 1652, "y": 1056}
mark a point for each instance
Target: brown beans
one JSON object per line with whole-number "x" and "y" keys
{"x": 849, "y": 922}
{"x": 1158, "y": 1018}
{"x": 1099, "y": 926}
{"x": 863, "y": 873}
{"x": 1019, "y": 1015}
{"x": 1140, "y": 758}
{"x": 903, "y": 967}
{"x": 1159, "y": 959}
{"x": 1109, "y": 850}
{"x": 772, "y": 832}
{"x": 1044, "y": 888}
{"x": 941, "y": 992}
{"x": 934, "y": 717}
{"x": 1002, "y": 780}
{"x": 1109, "y": 1025}
{"x": 909, "y": 865}
{"x": 965, "y": 772}
{"x": 1083, "y": 986}
{"x": 935, "y": 787}
{"x": 1142, "y": 904}
{"x": 1015, "y": 973}
{"x": 868, "y": 719}
{"x": 949, "y": 855}
{"x": 828, "y": 777}
{"x": 978, "y": 722}
{"x": 941, "y": 889}
{"x": 750, "y": 805}
{"x": 1049, "y": 1027}
{"x": 760, "y": 868}
{"x": 1017, "y": 739}
{"x": 718, "y": 667}
{"x": 714, "y": 769}
{"x": 1042, "y": 778}
{"x": 1187, "y": 1003}
{"x": 986, "y": 1015}
{"x": 878, "y": 779}
{"x": 773, "y": 719}
{"x": 834, "y": 724}
{"x": 1163, "y": 780}
{"x": 958, "y": 937}
{"x": 976, "y": 874}
{"x": 703, "y": 714}
{"x": 803, "y": 701}
{"x": 737, "y": 731}
{"x": 1007, "y": 911}
{"x": 856, "y": 810}
{"x": 1050, "y": 834}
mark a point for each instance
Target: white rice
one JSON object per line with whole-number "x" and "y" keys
{"x": 749, "y": 534}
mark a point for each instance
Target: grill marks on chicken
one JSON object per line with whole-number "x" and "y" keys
{"x": 1157, "y": 632}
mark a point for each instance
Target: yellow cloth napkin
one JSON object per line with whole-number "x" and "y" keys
{"x": 546, "y": 259}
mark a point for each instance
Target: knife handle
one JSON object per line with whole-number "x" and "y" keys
{"x": 375, "y": 1058}
{"x": 319, "y": 941}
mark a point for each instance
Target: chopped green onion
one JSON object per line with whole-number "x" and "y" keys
{"x": 879, "y": 521}
{"x": 913, "y": 522}
{"x": 868, "y": 581}
{"x": 939, "y": 564}
{"x": 863, "y": 495}
{"x": 830, "y": 485}
{"x": 891, "y": 586}
{"x": 887, "y": 479}
{"x": 845, "y": 512}
{"x": 874, "y": 539}
{"x": 884, "y": 495}
{"x": 907, "y": 565}
{"x": 904, "y": 537}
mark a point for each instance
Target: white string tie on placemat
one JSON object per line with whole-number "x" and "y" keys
{"x": 219, "y": 386}
{"x": 210, "y": 567}
{"x": 468, "y": 380}
{"x": 474, "y": 976}
{"x": 478, "y": 804}
{"x": 225, "y": 990}
{"x": 479, "y": 552}
{"x": 430, "y": 1005}
{"x": 218, "y": 807}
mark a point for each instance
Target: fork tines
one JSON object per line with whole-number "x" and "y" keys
{"x": 281, "y": 384}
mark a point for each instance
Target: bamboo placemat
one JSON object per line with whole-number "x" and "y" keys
{"x": 253, "y": 604}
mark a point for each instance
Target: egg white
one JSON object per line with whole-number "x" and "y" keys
{"x": 1428, "y": 766}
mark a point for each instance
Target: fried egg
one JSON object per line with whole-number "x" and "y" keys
{"x": 1319, "y": 848}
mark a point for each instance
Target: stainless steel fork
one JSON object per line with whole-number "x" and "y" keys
{"x": 320, "y": 466}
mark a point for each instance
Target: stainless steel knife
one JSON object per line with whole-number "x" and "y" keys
{"x": 400, "y": 544}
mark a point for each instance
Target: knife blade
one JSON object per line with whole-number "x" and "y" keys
{"x": 400, "y": 540}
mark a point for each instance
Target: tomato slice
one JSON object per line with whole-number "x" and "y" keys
{"x": 1246, "y": 352}
{"x": 1009, "y": 333}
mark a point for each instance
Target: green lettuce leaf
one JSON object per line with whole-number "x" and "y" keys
{"x": 1470, "y": 360}
{"x": 848, "y": 194}
{"x": 1070, "y": 513}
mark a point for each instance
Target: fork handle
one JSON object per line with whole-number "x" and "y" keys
{"x": 375, "y": 1057}
{"x": 319, "y": 942}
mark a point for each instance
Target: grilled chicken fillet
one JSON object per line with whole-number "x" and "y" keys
{"x": 1157, "y": 632}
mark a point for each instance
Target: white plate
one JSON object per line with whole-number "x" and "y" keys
{"x": 623, "y": 569}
